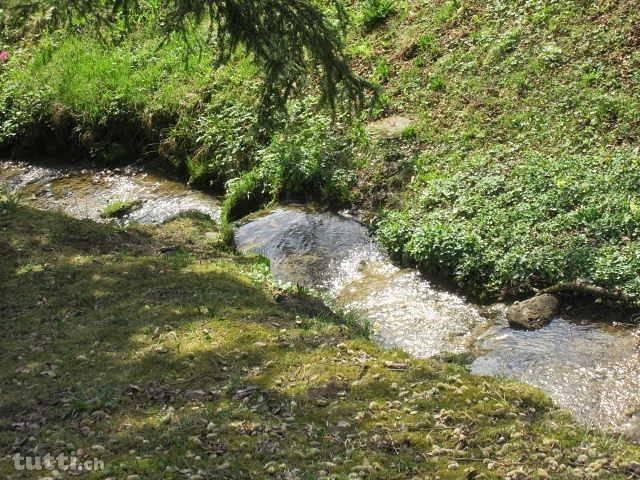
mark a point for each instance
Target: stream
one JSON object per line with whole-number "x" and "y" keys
{"x": 85, "y": 192}
{"x": 591, "y": 368}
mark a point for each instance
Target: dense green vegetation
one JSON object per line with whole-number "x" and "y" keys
{"x": 287, "y": 39}
{"x": 190, "y": 365}
{"x": 528, "y": 130}
{"x": 121, "y": 100}
{"x": 520, "y": 169}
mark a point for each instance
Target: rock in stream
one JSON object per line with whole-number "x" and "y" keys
{"x": 534, "y": 313}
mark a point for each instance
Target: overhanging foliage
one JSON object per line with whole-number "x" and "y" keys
{"x": 290, "y": 39}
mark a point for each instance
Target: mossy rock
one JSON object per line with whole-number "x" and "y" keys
{"x": 120, "y": 209}
{"x": 534, "y": 313}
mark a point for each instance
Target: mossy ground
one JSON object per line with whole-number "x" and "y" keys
{"x": 183, "y": 365}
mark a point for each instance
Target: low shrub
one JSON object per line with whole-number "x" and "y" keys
{"x": 308, "y": 161}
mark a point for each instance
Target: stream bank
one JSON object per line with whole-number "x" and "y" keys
{"x": 589, "y": 367}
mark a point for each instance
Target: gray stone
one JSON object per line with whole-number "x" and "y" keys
{"x": 391, "y": 127}
{"x": 534, "y": 313}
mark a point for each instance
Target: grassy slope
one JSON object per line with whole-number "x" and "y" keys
{"x": 521, "y": 170}
{"x": 127, "y": 100}
{"x": 528, "y": 133}
{"x": 124, "y": 100}
{"x": 147, "y": 361}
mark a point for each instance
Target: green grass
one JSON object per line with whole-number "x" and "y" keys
{"x": 124, "y": 100}
{"x": 376, "y": 12}
{"x": 156, "y": 363}
{"x": 9, "y": 199}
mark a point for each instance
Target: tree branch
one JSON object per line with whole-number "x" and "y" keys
{"x": 290, "y": 40}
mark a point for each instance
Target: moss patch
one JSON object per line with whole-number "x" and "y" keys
{"x": 120, "y": 209}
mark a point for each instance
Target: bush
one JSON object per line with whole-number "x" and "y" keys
{"x": 308, "y": 161}
{"x": 215, "y": 140}
{"x": 224, "y": 142}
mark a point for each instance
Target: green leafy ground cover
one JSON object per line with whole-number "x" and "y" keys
{"x": 527, "y": 172}
{"x": 188, "y": 364}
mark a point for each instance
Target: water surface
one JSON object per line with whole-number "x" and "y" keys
{"x": 85, "y": 192}
{"x": 590, "y": 368}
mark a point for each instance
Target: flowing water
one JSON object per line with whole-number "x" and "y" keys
{"x": 84, "y": 193}
{"x": 336, "y": 254}
{"x": 591, "y": 368}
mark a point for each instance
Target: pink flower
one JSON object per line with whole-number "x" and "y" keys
{"x": 4, "y": 56}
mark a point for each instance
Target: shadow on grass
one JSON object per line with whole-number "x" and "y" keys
{"x": 184, "y": 364}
